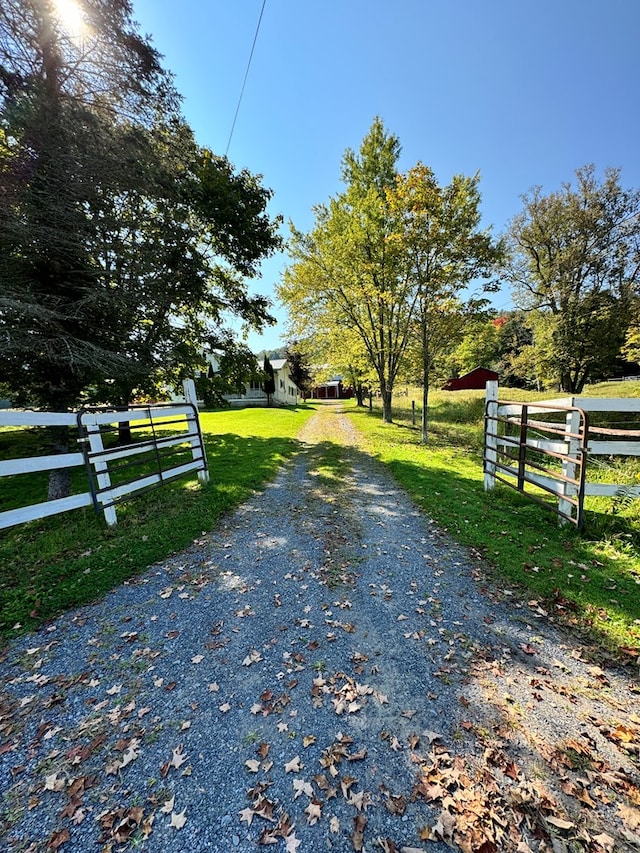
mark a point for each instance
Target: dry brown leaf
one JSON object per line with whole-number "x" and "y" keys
{"x": 357, "y": 838}
{"x": 300, "y": 786}
{"x": 246, "y": 815}
{"x": 167, "y": 808}
{"x": 58, "y": 838}
{"x": 313, "y": 812}
{"x": 560, "y": 822}
{"x": 178, "y": 757}
{"x": 605, "y": 841}
{"x": 291, "y": 843}
{"x": 178, "y": 820}
{"x": 252, "y": 765}
{"x": 293, "y": 766}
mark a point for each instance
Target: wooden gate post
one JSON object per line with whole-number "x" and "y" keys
{"x": 490, "y": 435}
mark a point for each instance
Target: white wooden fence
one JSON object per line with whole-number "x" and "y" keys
{"x": 97, "y": 459}
{"x": 569, "y": 445}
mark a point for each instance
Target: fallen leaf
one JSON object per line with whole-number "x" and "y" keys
{"x": 246, "y": 815}
{"x": 177, "y": 758}
{"x": 58, "y": 838}
{"x": 560, "y": 823}
{"x": 313, "y": 812}
{"x": 167, "y": 808}
{"x": 605, "y": 841}
{"x": 292, "y": 843}
{"x": 293, "y": 766}
{"x": 252, "y": 765}
{"x": 357, "y": 838}
{"x": 52, "y": 783}
{"x": 300, "y": 786}
{"x": 178, "y": 820}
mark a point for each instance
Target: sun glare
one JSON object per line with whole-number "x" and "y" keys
{"x": 71, "y": 17}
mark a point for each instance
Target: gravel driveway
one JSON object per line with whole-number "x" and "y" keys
{"x": 324, "y": 671}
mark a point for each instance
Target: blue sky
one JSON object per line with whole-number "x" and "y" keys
{"x": 523, "y": 91}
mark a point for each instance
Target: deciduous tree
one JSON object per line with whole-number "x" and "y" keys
{"x": 347, "y": 265}
{"x": 440, "y": 241}
{"x": 575, "y": 262}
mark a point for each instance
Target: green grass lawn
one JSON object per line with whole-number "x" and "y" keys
{"x": 72, "y": 558}
{"x": 592, "y": 578}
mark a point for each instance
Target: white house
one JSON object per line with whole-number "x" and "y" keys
{"x": 286, "y": 391}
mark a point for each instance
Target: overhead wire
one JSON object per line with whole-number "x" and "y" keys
{"x": 246, "y": 74}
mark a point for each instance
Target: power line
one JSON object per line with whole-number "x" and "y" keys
{"x": 246, "y": 74}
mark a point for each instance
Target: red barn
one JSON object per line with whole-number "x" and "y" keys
{"x": 476, "y": 379}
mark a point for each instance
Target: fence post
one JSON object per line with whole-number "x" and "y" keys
{"x": 413, "y": 412}
{"x": 490, "y": 433}
{"x": 572, "y": 425}
{"x": 101, "y": 468}
{"x": 193, "y": 423}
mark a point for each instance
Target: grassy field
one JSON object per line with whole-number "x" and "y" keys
{"x": 592, "y": 579}
{"x": 70, "y": 559}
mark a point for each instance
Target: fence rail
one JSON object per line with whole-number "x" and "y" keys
{"x": 105, "y": 463}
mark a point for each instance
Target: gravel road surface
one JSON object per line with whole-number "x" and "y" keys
{"x": 324, "y": 671}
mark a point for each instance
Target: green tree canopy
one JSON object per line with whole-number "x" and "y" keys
{"x": 575, "y": 263}
{"x": 440, "y": 241}
{"x": 347, "y": 267}
{"x": 123, "y": 245}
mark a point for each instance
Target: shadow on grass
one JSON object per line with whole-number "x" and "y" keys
{"x": 576, "y": 574}
{"x": 70, "y": 559}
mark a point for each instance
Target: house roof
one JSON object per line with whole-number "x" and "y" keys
{"x": 278, "y": 363}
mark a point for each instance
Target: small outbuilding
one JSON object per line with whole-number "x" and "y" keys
{"x": 476, "y": 379}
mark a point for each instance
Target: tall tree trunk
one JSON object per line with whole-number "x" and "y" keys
{"x": 425, "y": 409}
{"x": 59, "y": 478}
{"x": 426, "y": 363}
{"x": 359, "y": 393}
{"x": 387, "y": 414}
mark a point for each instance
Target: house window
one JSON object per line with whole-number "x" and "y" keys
{"x": 282, "y": 383}
{"x": 255, "y": 385}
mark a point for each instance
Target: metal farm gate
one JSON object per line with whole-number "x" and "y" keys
{"x": 530, "y": 455}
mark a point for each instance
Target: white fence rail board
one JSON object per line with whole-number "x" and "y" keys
{"x": 115, "y": 492}
{"x": 614, "y": 448}
{"x": 104, "y": 418}
{"x": 113, "y": 453}
{"x": 611, "y": 489}
{"x": 20, "y": 419}
{"x": 40, "y": 463}
{"x": 42, "y": 510}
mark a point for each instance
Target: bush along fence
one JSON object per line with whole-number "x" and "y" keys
{"x": 553, "y": 456}
{"x": 165, "y": 442}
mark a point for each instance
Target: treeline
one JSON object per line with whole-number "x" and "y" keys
{"x": 391, "y": 282}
